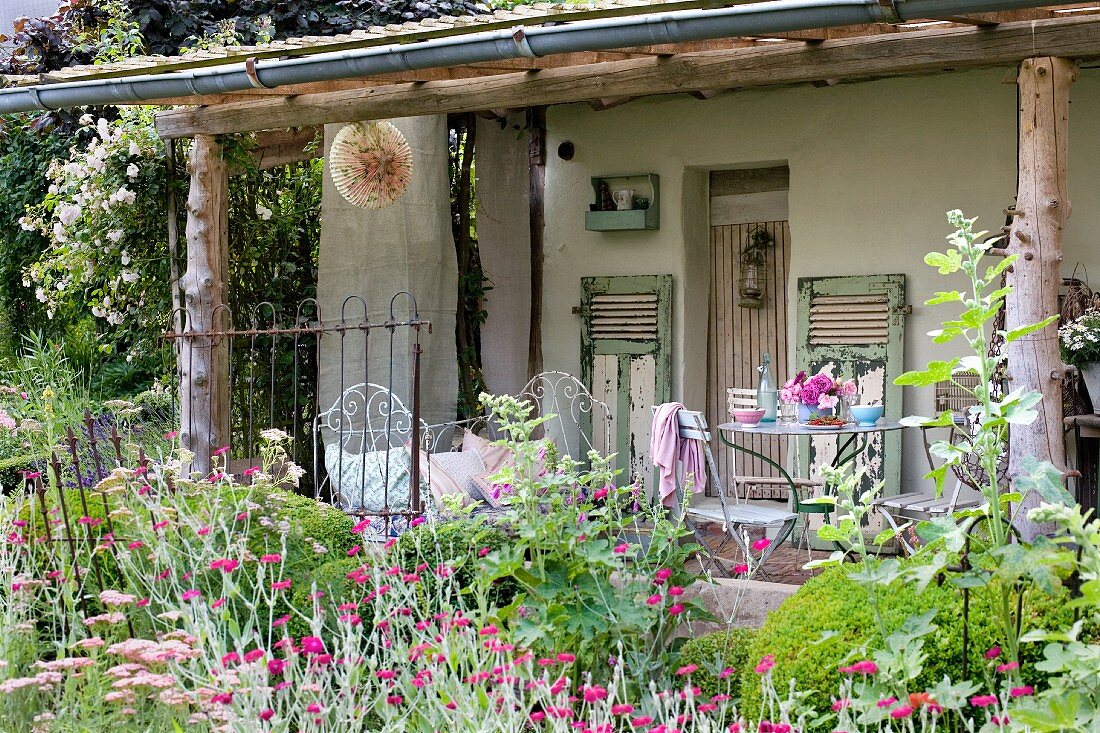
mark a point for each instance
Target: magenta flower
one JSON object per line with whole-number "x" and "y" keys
{"x": 983, "y": 701}
{"x": 190, "y": 595}
{"x": 1022, "y": 691}
{"x": 621, "y": 549}
{"x": 1008, "y": 666}
{"x": 761, "y": 544}
{"x": 622, "y": 709}
{"x": 765, "y": 664}
{"x": 272, "y": 558}
{"x": 266, "y": 714}
{"x": 676, "y": 609}
{"x": 312, "y": 645}
{"x": 993, "y": 652}
{"x": 686, "y": 669}
{"x": 662, "y": 575}
{"x": 221, "y": 451}
{"x": 281, "y": 584}
{"x": 864, "y": 667}
{"x": 901, "y": 711}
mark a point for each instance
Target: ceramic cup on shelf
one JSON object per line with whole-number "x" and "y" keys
{"x": 624, "y": 199}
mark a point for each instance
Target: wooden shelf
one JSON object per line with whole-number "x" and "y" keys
{"x": 628, "y": 219}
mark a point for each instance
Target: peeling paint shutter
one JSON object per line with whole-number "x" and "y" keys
{"x": 854, "y": 327}
{"x": 626, "y": 358}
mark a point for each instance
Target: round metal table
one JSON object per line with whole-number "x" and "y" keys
{"x": 851, "y": 441}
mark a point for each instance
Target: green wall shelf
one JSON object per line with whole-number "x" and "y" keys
{"x": 630, "y": 219}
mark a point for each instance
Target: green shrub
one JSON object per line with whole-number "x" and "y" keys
{"x": 715, "y": 652}
{"x": 795, "y": 633}
{"x": 458, "y": 543}
{"x": 331, "y": 579}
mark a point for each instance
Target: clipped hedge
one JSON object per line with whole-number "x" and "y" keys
{"x": 458, "y": 543}
{"x": 833, "y": 602}
{"x": 715, "y": 652}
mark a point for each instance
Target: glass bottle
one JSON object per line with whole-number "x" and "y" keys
{"x": 766, "y": 394}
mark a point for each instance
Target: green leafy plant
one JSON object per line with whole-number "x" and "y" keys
{"x": 588, "y": 581}
{"x": 721, "y": 657}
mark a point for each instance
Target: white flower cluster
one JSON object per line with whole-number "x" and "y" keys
{"x": 1081, "y": 338}
{"x": 91, "y": 204}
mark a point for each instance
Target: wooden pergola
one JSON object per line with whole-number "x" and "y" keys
{"x": 1046, "y": 45}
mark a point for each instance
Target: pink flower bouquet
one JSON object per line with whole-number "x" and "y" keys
{"x": 820, "y": 391}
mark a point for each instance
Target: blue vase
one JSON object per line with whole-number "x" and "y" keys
{"x": 807, "y": 413}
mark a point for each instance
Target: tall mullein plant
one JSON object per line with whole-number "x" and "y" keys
{"x": 991, "y": 416}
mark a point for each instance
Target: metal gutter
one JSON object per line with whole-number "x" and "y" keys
{"x": 757, "y": 19}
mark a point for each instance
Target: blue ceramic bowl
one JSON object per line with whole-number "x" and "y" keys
{"x": 867, "y": 415}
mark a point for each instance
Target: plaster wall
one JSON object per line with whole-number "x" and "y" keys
{"x": 873, "y": 168}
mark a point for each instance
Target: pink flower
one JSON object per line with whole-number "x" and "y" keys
{"x": 281, "y": 584}
{"x": 676, "y": 609}
{"x": 622, "y": 709}
{"x": 1023, "y": 691}
{"x": 201, "y": 531}
{"x": 1008, "y": 666}
{"x": 135, "y": 545}
{"x": 275, "y": 666}
{"x": 90, "y": 521}
{"x": 827, "y": 401}
{"x": 489, "y": 630}
{"x": 686, "y": 669}
{"x": 901, "y": 711}
{"x": 840, "y": 704}
{"x": 809, "y": 394}
{"x": 272, "y": 558}
{"x": 761, "y": 544}
{"x": 218, "y": 603}
{"x": 190, "y": 594}
{"x": 230, "y": 658}
{"x": 171, "y": 435}
{"x": 566, "y": 658}
{"x": 483, "y": 552}
{"x": 312, "y": 645}
{"x": 982, "y": 701}
{"x": 281, "y": 621}
{"x": 594, "y": 694}
{"x": 221, "y": 451}
{"x": 654, "y": 599}
{"x": 361, "y": 526}
{"x": 640, "y": 721}
{"x": 621, "y": 549}
{"x": 864, "y": 667}
{"x": 740, "y": 569}
{"x": 226, "y": 565}
{"x": 886, "y": 702}
{"x": 354, "y": 550}
{"x": 662, "y": 575}
{"x": 676, "y": 591}
{"x": 417, "y": 522}
{"x": 266, "y": 714}
{"x": 765, "y": 664}
{"x": 252, "y": 471}
{"x": 725, "y": 673}
{"x": 993, "y": 652}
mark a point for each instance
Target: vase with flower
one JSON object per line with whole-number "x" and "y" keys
{"x": 817, "y": 395}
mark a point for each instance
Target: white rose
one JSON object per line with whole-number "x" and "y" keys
{"x": 86, "y": 119}
{"x": 263, "y": 212}
{"x": 125, "y": 258}
{"x": 130, "y": 277}
{"x": 115, "y": 235}
{"x": 103, "y": 128}
{"x": 68, "y": 214}
{"x": 132, "y": 171}
{"x": 134, "y": 149}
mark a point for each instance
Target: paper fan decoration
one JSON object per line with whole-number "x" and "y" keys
{"x": 371, "y": 164}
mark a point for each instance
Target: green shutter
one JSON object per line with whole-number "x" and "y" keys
{"x": 855, "y": 326}
{"x": 626, "y": 358}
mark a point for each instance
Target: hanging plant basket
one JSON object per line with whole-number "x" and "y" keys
{"x": 371, "y": 164}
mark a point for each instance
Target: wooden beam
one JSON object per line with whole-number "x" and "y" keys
{"x": 282, "y": 147}
{"x": 1042, "y": 208}
{"x": 858, "y": 58}
{"x": 536, "y": 166}
{"x": 204, "y": 360}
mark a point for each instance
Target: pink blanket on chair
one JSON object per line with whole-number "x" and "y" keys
{"x": 666, "y": 450}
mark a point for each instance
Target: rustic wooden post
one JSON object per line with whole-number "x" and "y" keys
{"x": 1042, "y": 207}
{"x": 536, "y": 154}
{"x": 204, "y": 361}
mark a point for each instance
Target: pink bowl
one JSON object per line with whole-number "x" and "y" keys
{"x": 748, "y": 418}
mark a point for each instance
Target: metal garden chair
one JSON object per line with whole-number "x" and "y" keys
{"x": 734, "y": 518}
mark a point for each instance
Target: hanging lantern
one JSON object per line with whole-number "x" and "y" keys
{"x": 370, "y": 163}
{"x": 752, "y": 281}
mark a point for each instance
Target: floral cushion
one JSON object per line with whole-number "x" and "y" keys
{"x": 359, "y": 479}
{"x": 453, "y": 473}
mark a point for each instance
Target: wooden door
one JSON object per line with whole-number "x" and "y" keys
{"x": 853, "y": 327}
{"x": 626, "y": 360}
{"x": 738, "y": 339}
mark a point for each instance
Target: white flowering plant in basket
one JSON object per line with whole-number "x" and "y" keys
{"x": 1080, "y": 339}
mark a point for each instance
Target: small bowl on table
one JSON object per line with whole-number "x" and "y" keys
{"x": 748, "y": 418}
{"x": 866, "y": 415}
